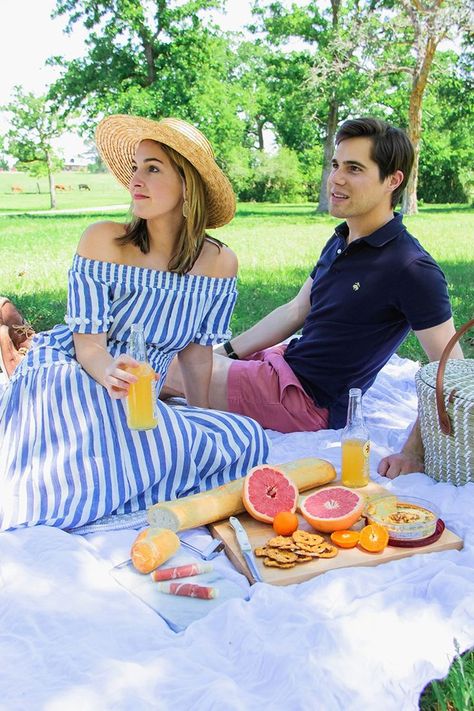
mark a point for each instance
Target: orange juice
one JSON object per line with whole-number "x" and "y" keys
{"x": 141, "y": 399}
{"x": 355, "y": 462}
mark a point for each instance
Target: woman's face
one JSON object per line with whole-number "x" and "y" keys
{"x": 156, "y": 186}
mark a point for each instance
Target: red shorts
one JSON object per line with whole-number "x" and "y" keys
{"x": 264, "y": 387}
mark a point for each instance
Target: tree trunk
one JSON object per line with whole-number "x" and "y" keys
{"x": 410, "y": 200}
{"x": 261, "y": 143}
{"x": 328, "y": 154}
{"x": 52, "y": 190}
{"x": 331, "y": 125}
{"x": 420, "y": 79}
{"x": 148, "y": 49}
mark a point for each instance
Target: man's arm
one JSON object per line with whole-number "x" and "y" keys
{"x": 279, "y": 324}
{"x": 411, "y": 458}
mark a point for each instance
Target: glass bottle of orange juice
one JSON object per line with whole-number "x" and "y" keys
{"x": 355, "y": 444}
{"x": 141, "y": 400}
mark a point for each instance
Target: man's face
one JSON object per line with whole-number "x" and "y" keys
{"x": 354, "y": 185}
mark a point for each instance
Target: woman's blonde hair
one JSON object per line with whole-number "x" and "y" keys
{"x": 193, "y": 228}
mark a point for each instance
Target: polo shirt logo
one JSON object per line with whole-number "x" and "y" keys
{"x": 356, "y": 286}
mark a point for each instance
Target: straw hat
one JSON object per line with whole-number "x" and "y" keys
{"x": 117, "y": 138}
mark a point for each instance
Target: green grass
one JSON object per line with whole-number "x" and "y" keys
{"x": 104, "y": 190}
{"x": 277, "y": 247}
{"x": 456, "y": 691}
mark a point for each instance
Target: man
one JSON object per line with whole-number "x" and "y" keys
{"x": 372, "y": 283}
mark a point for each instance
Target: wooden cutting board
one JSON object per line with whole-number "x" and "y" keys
{"x": 259, "y": 533}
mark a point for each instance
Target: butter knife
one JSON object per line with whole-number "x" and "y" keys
{"x": 246, "y": 548}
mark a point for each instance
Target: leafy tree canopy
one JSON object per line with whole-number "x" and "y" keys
{"x": 34, "y": 126}
{"x": 150, "y": 58}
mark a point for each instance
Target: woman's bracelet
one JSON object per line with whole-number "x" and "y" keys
{"x": 230, "y": 351}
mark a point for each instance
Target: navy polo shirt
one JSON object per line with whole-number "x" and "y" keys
{"x": 365, "y": 297}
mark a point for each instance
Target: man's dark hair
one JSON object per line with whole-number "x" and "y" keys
{"x": 392, "y": 150}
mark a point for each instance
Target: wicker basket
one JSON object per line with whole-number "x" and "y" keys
{"x": 446, "y": 412}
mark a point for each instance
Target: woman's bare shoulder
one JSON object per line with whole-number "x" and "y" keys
{"x": 216, "y": 260}
{"x": 98, "y": 240}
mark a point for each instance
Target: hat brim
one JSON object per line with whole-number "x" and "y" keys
{"x": 118, "y": 136}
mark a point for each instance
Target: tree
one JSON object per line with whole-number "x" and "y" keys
{"x": 414, "y": 31}
{"x": 335, "y": 63}
{"x": 34, "y": 126}
{"x": 446, "y": 172}
{"x": 3, "y": 157}
{"x": 151, "y": 58}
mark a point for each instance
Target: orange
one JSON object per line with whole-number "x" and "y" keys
{"x": 345, "y": 539}
{"x": 285, "y": 523}
{"x": 373, "y": 538}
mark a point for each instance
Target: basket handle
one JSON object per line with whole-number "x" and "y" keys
{"x": 444, "y": 421}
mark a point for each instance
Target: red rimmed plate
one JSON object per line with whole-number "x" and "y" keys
{"x": 419, "y": 542}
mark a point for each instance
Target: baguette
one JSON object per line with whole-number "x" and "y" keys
{"x": 209, "y": 506}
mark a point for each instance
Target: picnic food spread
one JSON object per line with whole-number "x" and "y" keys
{"x": 355, "y": 444}
{"x": 270, "y": 495}
{"x": 224, "y": 501}
{"x": 300, "y": 547}
{"x": 373, "y": 538}
{"x": 180, "y": 571}
{"x": 204, "y": 592}
{"x": 285, "y": 523}
{"x": 268, "y": 491}
{"x": 152, "y": 547}
{"x": 333, "y": 509}
{"x": 405, "y": 518}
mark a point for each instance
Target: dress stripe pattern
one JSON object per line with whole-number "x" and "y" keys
{"x": 67, "y": 456}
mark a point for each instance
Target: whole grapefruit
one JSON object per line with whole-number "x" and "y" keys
{"x": 267, "y": 491}
{"x": 333, "y": 509}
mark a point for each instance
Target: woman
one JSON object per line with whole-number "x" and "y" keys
{"x": 67, "y": 456}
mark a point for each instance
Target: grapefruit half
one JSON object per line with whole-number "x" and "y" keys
{"x": 267, "y": 491}
{"x": 333, "y": 509}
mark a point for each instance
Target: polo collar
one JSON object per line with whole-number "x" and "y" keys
{"x": 380, "y": 237}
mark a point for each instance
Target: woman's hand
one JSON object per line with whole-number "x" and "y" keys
{"x": 119, "y": 376}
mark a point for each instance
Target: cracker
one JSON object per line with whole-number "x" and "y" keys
{"x": 281, "y": 556}
{"x": 281, "y": 542}
{"x": 305, "y": 538}
{"x": 304, "y": 558}
{"x": 270, "y": 563}
{"x": 326, "y": 550}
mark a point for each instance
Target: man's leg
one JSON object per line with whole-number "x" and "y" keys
{"x": 173, "y": 386}
{"x": 263, "y": 387}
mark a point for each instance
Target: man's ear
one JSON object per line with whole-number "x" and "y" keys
{"x": 394, "y": 180}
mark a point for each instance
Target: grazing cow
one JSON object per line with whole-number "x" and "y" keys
{"x": 17, "y": 189}
{"x": 83, "y": 186}
{"x": 60, "y": 187}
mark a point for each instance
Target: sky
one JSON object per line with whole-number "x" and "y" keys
{"x": 28, "y": 36}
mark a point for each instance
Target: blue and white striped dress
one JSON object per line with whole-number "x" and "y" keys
{"x": 67, "y": 456}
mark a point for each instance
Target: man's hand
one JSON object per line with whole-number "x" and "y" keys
{"x": 402, "y": 463}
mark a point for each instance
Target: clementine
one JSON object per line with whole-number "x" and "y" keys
{"x": 345, "y": 539}
{"x": 285, "y": 523}
{"x": 373, "y": 538}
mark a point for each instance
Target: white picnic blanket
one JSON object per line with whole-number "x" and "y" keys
{"x": 351, "y": 639}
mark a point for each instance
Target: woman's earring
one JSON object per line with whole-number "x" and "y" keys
{"x": 185, "y": 208}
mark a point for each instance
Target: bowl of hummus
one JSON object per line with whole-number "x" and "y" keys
{"x": 406, "y": 518}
